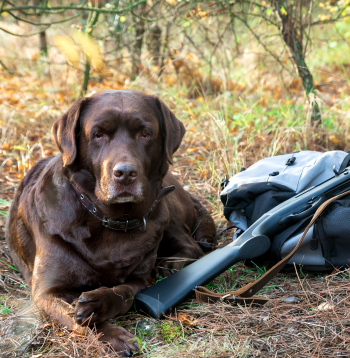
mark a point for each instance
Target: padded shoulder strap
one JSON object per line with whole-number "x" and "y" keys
{"x": 246, "y": 293}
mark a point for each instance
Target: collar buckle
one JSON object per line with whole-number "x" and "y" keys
{"x": 126, "y": 226}
{"x": 143, "y": 229}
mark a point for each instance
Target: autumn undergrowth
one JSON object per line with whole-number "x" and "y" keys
{"x": 255, "y": 114}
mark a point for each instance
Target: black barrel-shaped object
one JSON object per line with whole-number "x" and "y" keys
{"x": 255, "y": 241}
{"x": 159, "y": 298}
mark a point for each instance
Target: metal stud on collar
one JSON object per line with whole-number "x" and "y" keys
{"x": 126, "y": 226}
{"x": 144, "y": 225}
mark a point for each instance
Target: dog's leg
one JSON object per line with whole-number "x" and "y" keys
{"x": 105, "y": 303}
{"x": 59, "y": 309}
{"x": 177, "y": 250}
{"x": 122, "y": 341}
{"x": 204, "y": 229}
{"x": 93, "y": 308}
{"x": 97, "y": 306}
{"x": 63, "y": 312}
{"x": 182, "y": 244}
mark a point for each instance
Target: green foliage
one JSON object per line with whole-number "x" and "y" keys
{"x": 10, "y": 266}
{"x": 4, "y": 202}
{"x": 170, "y": 332}
{"x": 142, "y": 345}
{"x": 229, "y": 280}
{"x": 3, "y": 308}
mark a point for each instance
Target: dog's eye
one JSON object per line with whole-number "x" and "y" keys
{"x": 144, "y": 134}
{"x": 99, "y": 134}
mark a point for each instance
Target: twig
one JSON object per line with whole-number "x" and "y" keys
{"x": 260, "y": 42}
{"x": 18, "y": 35}
{"x": 307, "y": 297}
{"x": 55, "y": 8}
{"x": 5, "y": 68}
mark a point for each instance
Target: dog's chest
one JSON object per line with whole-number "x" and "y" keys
{"x": 113, "y": 256}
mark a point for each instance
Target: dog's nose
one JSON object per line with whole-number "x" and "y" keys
{"x": 125, "y": 173}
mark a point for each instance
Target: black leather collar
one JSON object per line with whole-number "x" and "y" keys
{"x": 124, "y": 225}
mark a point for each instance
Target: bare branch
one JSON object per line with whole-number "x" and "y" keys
{"x": 259, "y": 40}
{"x": 19, "y": 35}
{"x": 54, "y": 9}
{"x": 330, "y": 21}
{"x": 44, "y": 23}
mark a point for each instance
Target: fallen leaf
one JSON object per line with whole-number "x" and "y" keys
{"x": 68, "y": 47}
{"x": 187, "y": 320}
{"x": 334, "y": 139}
{"x": 90, "y": 48}
{"x": 78, "y": 332}
{"x": 325, "y": 306}
{"x": 48, "y": 152}
{"x": 6, "y": 146}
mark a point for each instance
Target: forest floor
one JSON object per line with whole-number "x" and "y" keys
{"x": 308, "y": 314}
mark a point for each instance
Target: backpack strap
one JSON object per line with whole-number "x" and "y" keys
{"x": 245, "y": 294}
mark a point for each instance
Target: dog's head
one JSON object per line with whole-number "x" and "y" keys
{"x": 123, "y": 140}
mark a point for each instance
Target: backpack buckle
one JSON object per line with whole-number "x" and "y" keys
{"x": 224, "y": 183}
{"x": 290, "y": 161}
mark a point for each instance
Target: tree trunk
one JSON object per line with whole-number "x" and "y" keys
{"x": 294, "y": 42}
{"x": 91, "y": 22}
{"x": 154, "y": 43}
{"x": 137, "y": 50}
{"x": 43, "y": 43}
{"x": 42, "y": 35}
{"x": 165, "y": 48}
{"x": 86, "y": 78}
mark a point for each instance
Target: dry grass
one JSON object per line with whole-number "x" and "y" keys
{"x": 251, "y": 118}
{"x": 293, "y": 324}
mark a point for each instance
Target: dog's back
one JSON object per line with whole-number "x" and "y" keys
{"x": 18, "y": 233}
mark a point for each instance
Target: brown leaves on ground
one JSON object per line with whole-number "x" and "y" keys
{"x": 312, "y": 320}
{"x": 187, "y": 320}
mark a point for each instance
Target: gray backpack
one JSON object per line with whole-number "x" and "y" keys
{"x": 256, "y": 190}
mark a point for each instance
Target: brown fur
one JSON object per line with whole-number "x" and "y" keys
{"x": 64, "y": 252}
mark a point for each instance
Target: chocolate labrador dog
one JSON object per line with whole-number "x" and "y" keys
{"x": 87, "y": 225}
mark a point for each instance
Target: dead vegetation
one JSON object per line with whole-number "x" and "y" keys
{"x": 239, "y": 122}
{"x": 307, "y": 316}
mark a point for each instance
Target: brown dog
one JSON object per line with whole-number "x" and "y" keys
{"x": 115, "y": 147}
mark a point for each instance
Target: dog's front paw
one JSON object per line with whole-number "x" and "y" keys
{"x": 167, "y": 268}
{"x": 97, "y": 306}
{"x": 119, "y": 339}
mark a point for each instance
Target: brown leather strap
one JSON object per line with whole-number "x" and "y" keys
{"x": 240, "y": 295}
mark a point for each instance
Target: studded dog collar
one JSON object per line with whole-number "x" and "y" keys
{"x": 127, "y": 224}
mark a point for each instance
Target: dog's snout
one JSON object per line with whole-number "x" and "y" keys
{"x": 125, "y": 173}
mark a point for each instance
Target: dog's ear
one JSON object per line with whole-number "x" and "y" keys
{"x": 172, "y": 129}
{"x": 65, "y": 131}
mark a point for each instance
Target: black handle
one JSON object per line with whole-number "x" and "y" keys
{"x": 306, "y": 210}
